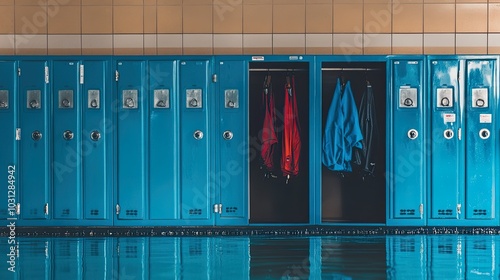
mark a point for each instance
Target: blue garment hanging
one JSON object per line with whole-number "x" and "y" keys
{"x": 342, "y": 131}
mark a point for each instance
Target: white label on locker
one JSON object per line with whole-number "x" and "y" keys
{"x": 407, "y": 97}
{"x": 485, "y": 118}
{"x": 449, "y": 118}
{"x": 257, "y": 58}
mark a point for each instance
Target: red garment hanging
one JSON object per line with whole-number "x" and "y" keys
{"x": 268, "y": 134}
{"x": 291, "y": 134}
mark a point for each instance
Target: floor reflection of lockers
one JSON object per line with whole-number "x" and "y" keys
{"x": 272, "y": 200}
{"x": 346, "y": 196}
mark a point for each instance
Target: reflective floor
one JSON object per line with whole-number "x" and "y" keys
{"x": 328, "y": 257}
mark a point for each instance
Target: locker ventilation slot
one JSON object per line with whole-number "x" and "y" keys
{"x": 195, "y": 211}
{"x": 131, "y": 252}
{"x": 131, "y": 213}
{"x": 407, "y": 212}
{"x": 445, "y": 212}
{"x": 231, "y": 209}
{"x": 480, "y": 212}
{"x": 65, "y": 212}
{"x": 94, "y": 249}
{"x": 94, "y": 212}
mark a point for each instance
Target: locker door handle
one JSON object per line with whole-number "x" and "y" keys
{"x": 129, "y": 103}
{"x": 95, "y": 135}
{"x": 412, "y": 134}
{"x": 68, "y": 135}
{"x": 3, "y": 104}
{"x": 66, "y": 103}
{"x": 480, "y": 102}
{"x": 193, "y": 103}
{"x": 36, "y": 135}
{"x": 34, "y": 104}
{"x": 198, "y": 135}
{"x": 448, "y": 134}
{"x": 93, "y": 103}
{"x": 227, "y": 135}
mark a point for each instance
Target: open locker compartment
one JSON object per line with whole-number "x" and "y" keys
{"x": 273, "y": 198}
{"x": 355, "y": 196}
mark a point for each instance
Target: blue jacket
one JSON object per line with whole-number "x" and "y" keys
{"x": 342, "y": 131}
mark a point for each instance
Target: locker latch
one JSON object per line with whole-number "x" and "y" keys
{"x": 459, "y": 208}
{"x": 117, "y": 209}
{"x": 18, "y": 209}
{"x": 421, "y": 209}
{"x": 18, "y": 134}
{"x": 46, "y": 209}
{"x": 218, "y": 208}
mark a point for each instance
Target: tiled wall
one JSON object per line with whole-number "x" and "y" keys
{"x": 249, "y": 26}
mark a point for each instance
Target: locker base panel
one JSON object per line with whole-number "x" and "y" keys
{"x": 241, "y": 231}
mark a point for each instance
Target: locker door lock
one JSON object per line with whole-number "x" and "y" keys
{"x": 129, "y": 103}
{"x": 68, "y": 135}
{"x": 66, "y": 103}
{"x": 95, "y": 135}
{"x": 480, "y": 103}
{"x": 412, "y": 134}
{"x": 484, "y": 133}
{"x": 227, "y": 135}
{"x": 34, "y": 104}
{"x": 448, "y": 134}
{"x": 36, "y": 135}
{"x": 193, "y": 103}
{"x": 198, "y": 135}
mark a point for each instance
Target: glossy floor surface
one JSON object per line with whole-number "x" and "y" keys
{"x": 317, "y": 257}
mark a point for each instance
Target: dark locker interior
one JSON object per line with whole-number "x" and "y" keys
{"x": 356, "y": 197}
{"x": 272, "y": 198}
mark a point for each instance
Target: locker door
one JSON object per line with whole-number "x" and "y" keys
{"x": 8, "y": 147}
{"x": 231, "y": 176}
{"x": 67, "y": 261}
{"x": 446, "y": 156}
{"x": 97, "y": 259}
{"x": 481, "y": 138}
{"x": 67, "y": 157}
{"x": 194, "y": 140}
{"x": 95, "y": 121}
{"x": 163, "y": 143}
{"x": 131, "y": 103}
{"x": 34, "y": 150}
{"x": 407, "y": 177}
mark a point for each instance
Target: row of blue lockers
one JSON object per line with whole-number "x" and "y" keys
{"x": 164, "y": 140}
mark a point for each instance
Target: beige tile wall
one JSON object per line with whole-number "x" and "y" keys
{"x": 249, "y": 27}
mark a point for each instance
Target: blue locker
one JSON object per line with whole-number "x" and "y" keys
{"x": 8, "y": 147}
{"x": 407, "y": 158}
{"x": 231, "y": 179}
{"x": 481, "y": 139}
{"x": 447, "y": 155}
{"x": 194, "y": 140}
{"x": 163, "y": 141}
{"x": 132, "y": 259}
{"x": 131, "y": 145}
{"x": 67, "y": 157}
{"x": 97, "y": 258}
{"x": 67, "y": 260}
{"x": 35, "y": 138}
{"x": 96, "y": 184}
{"x": 35, "y": 258}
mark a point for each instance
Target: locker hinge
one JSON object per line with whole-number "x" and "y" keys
{"x": 18, "y": 134}
{"x": 214, "y": 78}
{"x": 421, "y": 209}
{"x": 82, "y": 73}
{"x": 117, "y": 75}
{"x": 19, "y": 71}
{"x": 117, "y": 209}
{"x": 18, "y": 209}
{"x": 46, "y": 74}
{"x": 218, "y": 208}
{"x": 46, "y": 209}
